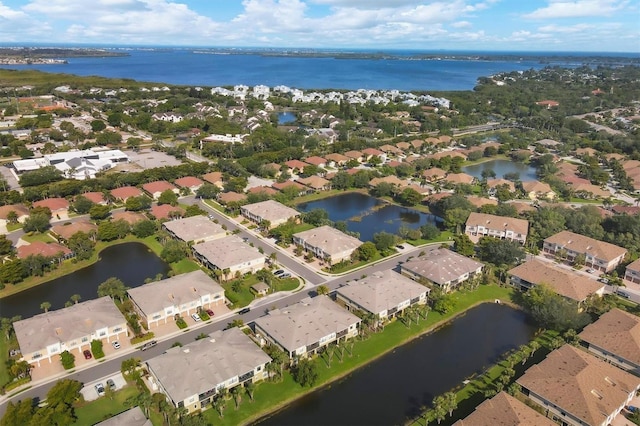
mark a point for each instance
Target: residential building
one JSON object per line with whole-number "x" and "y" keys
{"x": 383, "y": 294}
{"x": 64, "y": 232}
{"x": 489, "y": 225}
{"x": 75, "y": 164}
{"x": 51, "y": 250}
{"x": 130, "y": 217}
{"x": 566, "y": 283}
{"x": 615, "y": 337}
{"x": 327, "y": 243}
{"x": 632, "y": 272}
{"x": 494, "y": 183}
{"x": 579, "y": 389}
{"x": 59, "y": 207}
{"x": 214, "y": 178}
{"x": 51, "y": 333}
{"x": 194, "y": 229}
{"x": 166, "y": 211}
{"x": 21, "y": 214}
{"x": 95, "y": 197}
{"x": 316, "y": 161}
{"x": 132, "y": 417}
{"x": 191, "y": 182}
{"x": 158, "y": 187}
{"x": 337, "y": 160}
{"x": 316, "y": 183}
{"x": 296, "y": 166}
{"x": 191, "y": 376}
{"x": 302, "y": 328}
{"x": 270, "y": 211}
{"x": 434, "y": 174}
{"x": 180, "y": 295}
{"x": 598, "y": 255}
{"x": 231, "y": 197}
{"x": 441, "y": 267}
{"x": 391, "y": 179}
{"x": 504, "y": 410}
{"x": 459, "y": 178}
{"x": 125, "y": 192}
{"x": 538, "y": 190}
{"x": 354, "y": 155}
{"x": 230, "y": 255}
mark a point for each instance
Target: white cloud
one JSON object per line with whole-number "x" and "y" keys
{"x": 578, "y": 8}
{"x": 461, "y": 24}
{"x": 565, "y": 29}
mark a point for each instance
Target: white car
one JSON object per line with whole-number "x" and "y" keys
{"x": 99, "y": 389}
{"x": 196, "y": 317}
{"x": 116, "y": 344}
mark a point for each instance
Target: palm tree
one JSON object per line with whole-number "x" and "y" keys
{"x": 322, "y": 290}
{"x": 451, "y": 400}
{"x": 440, "y": 408}
{"x": 237, "y": 397}
{"x": 534, "y": 346}
{"x": 76, "y": 298}
{"x": 250, "y": 387}
{"x": 45, "y": 306}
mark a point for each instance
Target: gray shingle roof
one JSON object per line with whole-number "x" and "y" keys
{"x": 441, "y": 266}
{"x": 194, "y": 228}
{"x": 227, "y": 252}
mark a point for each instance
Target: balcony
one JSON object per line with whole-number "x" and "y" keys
{"x": 246, "y": 376}
{"x": 342, "y": 333}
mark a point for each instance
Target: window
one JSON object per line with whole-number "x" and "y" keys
{"x": 85, "y": 339}
{"x": 117, "y": 329}
{"x": 103, "y": 333}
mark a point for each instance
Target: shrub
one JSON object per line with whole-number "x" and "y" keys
{"x": 142, "y": 338}
{"x": 68, "y": 360}
{"x": 180, "y": 322}
{"x": 96, "y": 349}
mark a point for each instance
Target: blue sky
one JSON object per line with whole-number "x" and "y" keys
{"x": 531, "y": 25}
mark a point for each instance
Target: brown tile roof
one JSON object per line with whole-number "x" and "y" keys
{"x": 492, "y": 183}
{"x": 459, "y": 178}
{"x": 188, "y": 182}
{"x": 392, "y": 179}
{"x": 634, "y": 266}
{"x": 282, "y": 185}
{"x": 442, "y": 154}
{"x": 582, "y": 244}
{"x": 126, "y": 192}
{"x": 130, "y": 217}
{"x": 536, "y": 186}
{"x": 580, "y": 384}
{"x": 94, "y": 197}
{"x": 158, "y": 186}
{"x": 562, "y": 281}
{"x": 66, "y": 231}
{"x": 213, "y": 177}
{"x": 400, "y": 146}
{"x": 315, "y": 160}
{"x": 523, "y": 207}
{"x": 353, "y": 154}
{"x": 617, "y": 332}
{"x": 229, "y": 197}
{"x": 592, "y": 189}
{"x": 434, "y": 173}
{"x": 504, "y": 410}
{"x": 163, "y": 211}
{"x": 491, "y": 221}
{"x": 372, "y": 151}
{"x": 315, "y": 182}
{"x": 296, "y": 164}
{"x": 19, "y": 209}
{"x": 337, "y": 158}
{"x": 262, "y": 189}
{"x": 481, "y": 201}
{"x": 54, "y": 204}
{"x": 46, "y": 249}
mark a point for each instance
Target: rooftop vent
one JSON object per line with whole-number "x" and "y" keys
{"x": 596, "y": 394}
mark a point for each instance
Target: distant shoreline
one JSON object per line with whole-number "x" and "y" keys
{"x": 50, "y": 55}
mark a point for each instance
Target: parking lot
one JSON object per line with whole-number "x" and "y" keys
{"x": 90, "y": 393}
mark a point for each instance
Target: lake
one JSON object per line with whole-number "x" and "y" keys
{"x": 502, "y": 167}
{"x": 130, "y": 262}
{"x": 286, "y": 117}
{"x": 397, "y": 386}
{"x": 368, "y": 215}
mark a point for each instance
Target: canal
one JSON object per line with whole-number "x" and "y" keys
{"x": 397, "y": 386}
{"x": 368, "y": 215}
{"x": 130, "y": 262}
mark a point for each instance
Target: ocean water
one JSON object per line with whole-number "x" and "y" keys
{"x": 201, "y": 67}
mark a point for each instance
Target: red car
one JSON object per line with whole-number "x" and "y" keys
{"x": 209, "y": 312}
{"x": 87, "y": 354}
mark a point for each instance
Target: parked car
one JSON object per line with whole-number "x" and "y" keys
{"x": 87, "y": 354}
{"x": 400, "y": 246}
{"x": 116, "y": 344}
{"x": 149, "y": 345}
{"x": 99, "y": 389}
{"x": 590, "y": 271}
{"x": 285, "y": 275}
{"x": 632, "y": 408}
{"x": 111, "y": 384}
{"x": 279, "y": 272}
{"x": 209, "y": 312}
{"x": 196, "y": 317}
{"x": 622, "y": 294}
{"x": 244, "y": 311}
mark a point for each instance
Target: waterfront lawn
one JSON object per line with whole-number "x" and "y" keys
{"x": 184, "y": 266}
{"x": 271, "y": 395}
{"x": 4, "y": 357}
{"x": 445, "y": 236}
{"x": 90, "y": 413}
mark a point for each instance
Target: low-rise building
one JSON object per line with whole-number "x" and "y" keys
{"x": 166, "y": 211}
{"x": 327, "y": 243}
{"x": 132, "y": 417}
{"x": 302, "y": 328}
{"x": 51, "y": 250}
{"x": 65, "y": 232}
{"x": 489, "y": 225}
{"x": 576, "y": 388}
{"x": 383, "y": 294}
{"x": 154, "y": 189}
{"x": 179, "y": 295}
{"x": 504, "y": 410}
{"x": 59, "y": 207}
{"x": 191, "y": 376}
{"x": 566, "y": 283}
{"x": 615, "y": 337}
{"x": 597, "y": 254}
{"x": 536, "y": 190}
{"x": 214, "y": 178}
{"x": 194, "y": 229}
{"x": 125, "y": 192}
{"x": 270, "y": 211}
{"x": 230, "y": 255}
{"x": 191, "y": 182}
{"x": 316, "y": 183}
{"x": 51, "y": 333}
{"x": 632, "y": 272}
{"x": 441, "y": 267}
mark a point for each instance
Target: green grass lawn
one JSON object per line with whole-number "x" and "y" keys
{"x": 90, "y": 413}
{"x": 184, "y": 266}
{"x": 37, "y": 236}
{"x": 4, "y": 357}
{"x": 445, "y": 236}
{"x": 350, "y": 266}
